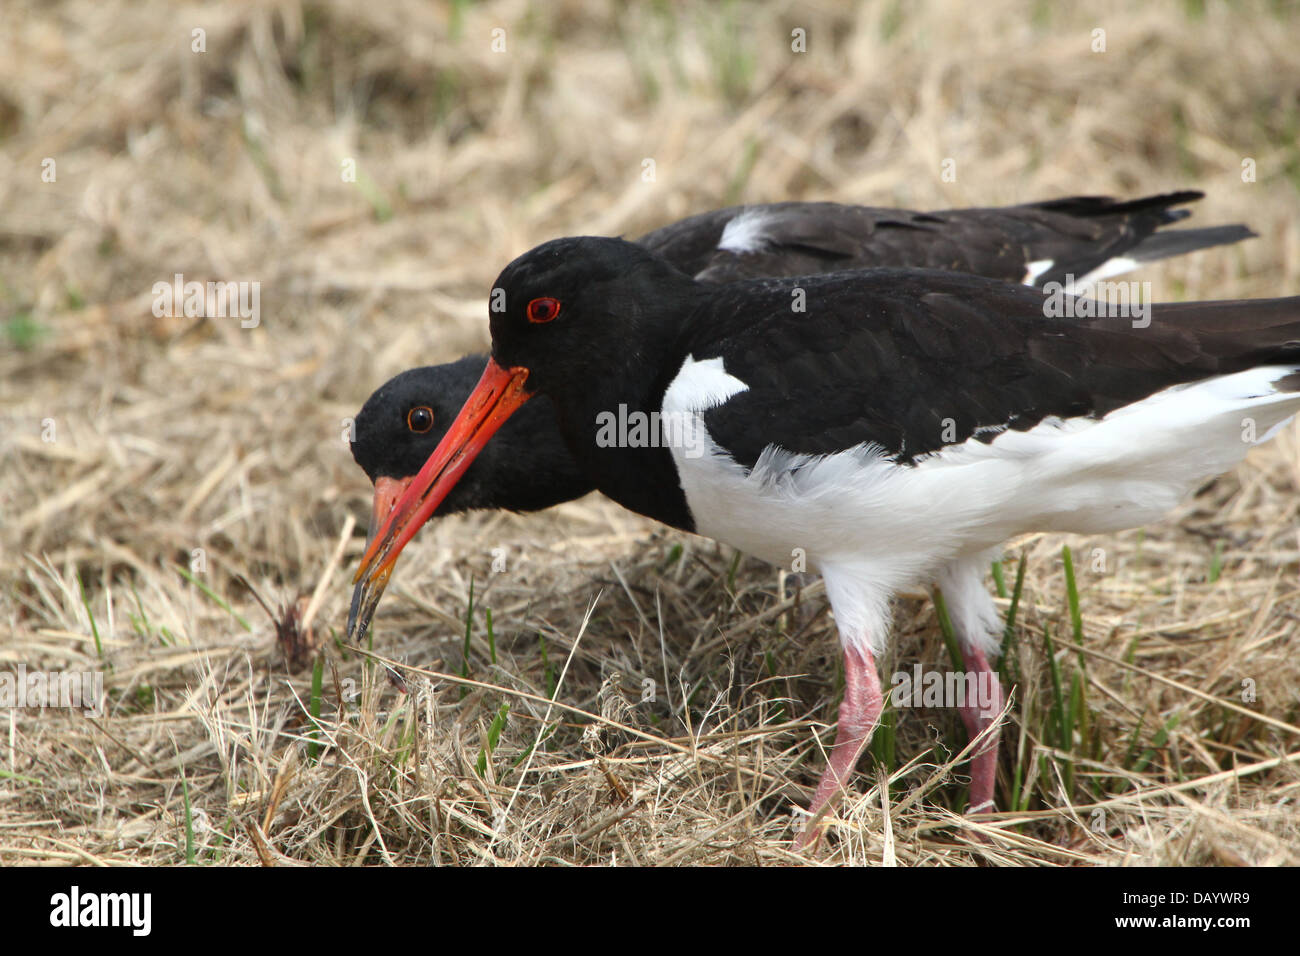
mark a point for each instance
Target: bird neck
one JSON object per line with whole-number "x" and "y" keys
{"x": 615, "y": 431}
{"x": 525, "y": 467}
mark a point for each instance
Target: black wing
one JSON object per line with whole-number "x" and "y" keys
{"x": 1077, "y": 234}
{"x": 915, "y": 360}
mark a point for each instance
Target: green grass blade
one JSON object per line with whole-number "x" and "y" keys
{"x": 1131, "y": 750}
{"x": 219, "y": 841}
{"x": 884, "y": 741}
{"x": 999, "y": 579}
{"x": 469, "y": 629}
{"x": 1160, "y": 740}
{"x": 1076, "y": 719}
{"x": 493, "y": 738}
{"x": 405, "y": 748}
{"x": 94, "y": 628}
{"x": 390, "y": 723}
{"x": 674, "y": 555}
{"x": 189, "y": 821}
{"x": 546, "y": 735}
{"x": 1216, "y": 562}
{"x": 1058, "y": 697}
{"x": 1072, "y": 596}
{"x": 1010, "y": 664}
{"x": 214, "y": 596}
{"x": 1079, "y": 691}
{"x": 10, "y": 775}
{"x": 317, "y": 672}
{"x": 1019, "y": 791}
{"x": 945, "y": 627}
{"x": 380, "y": 207}
{"x": 146, "y": 627}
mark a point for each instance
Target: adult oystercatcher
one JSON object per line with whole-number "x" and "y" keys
{"x": 897, "y": 426}
{"x": 527, "y": 467}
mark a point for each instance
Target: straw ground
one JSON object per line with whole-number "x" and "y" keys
{"x": 638, "y": 696}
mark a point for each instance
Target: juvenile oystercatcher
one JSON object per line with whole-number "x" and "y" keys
{"x": 528, "y": 467}
{"x": 897, "y": 428}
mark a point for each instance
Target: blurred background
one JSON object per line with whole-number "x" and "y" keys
{"x": 373, "y": 166}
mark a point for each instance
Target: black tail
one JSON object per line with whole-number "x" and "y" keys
{"x": 1157, "y": 209}
{"x": 1162, "y": 245}
{"x": 1123, "y": 234}
{"x": 1233, "y": 335}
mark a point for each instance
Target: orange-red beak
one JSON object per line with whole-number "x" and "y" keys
{"x": 387, "y": 492}
{"x": 497, "y": 396}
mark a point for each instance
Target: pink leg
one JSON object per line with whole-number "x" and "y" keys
{"x": 859, "y": 713}
{"x": 977, "y": 715}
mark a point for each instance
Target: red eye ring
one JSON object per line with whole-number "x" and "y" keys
{"x": 420, "y": 419}
{"x": 542, "y": 310}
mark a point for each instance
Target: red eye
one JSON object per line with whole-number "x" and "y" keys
{"x": 544, "y": 309}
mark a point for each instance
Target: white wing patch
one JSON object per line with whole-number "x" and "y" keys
{"x": 699, "y": 386}
{"x": 1111, "y": 267}
{"x": 1035, "y": 269}
{"x": 744, "y": 233}
{"x": 1117, "y": 265}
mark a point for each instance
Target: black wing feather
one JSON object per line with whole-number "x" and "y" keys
{"x": 1077, "y": 233}
{"x": 915, "y": 360}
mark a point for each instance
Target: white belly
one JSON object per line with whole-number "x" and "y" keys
{"x": 899, "y": 525}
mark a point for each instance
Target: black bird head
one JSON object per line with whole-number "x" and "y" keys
{"x": 562, "y": 313}
{"x": 525, "y": 468}
{"x": 575, "y": 307}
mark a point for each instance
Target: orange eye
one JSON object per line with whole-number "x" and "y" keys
{"x": 420, "y": 419}
{"x": 544, "y": 309}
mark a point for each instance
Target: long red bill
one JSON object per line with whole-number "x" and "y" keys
{"x": 497, "y": 396}
{"x": 387, "y": 493}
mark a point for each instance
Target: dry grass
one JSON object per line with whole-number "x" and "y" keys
{"x": 175, "y": 434}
